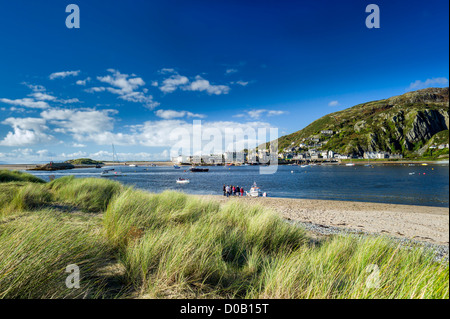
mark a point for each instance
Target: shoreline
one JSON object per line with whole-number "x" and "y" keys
{"x": 418, "y": 223}
{"x": 443, "y": 161}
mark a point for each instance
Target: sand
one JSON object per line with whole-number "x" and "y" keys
{"x": 422, "y": 223}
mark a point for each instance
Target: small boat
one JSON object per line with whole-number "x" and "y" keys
{"x": 303, "y": 166}
{"x": 176, "y": 166}
{"x": 110, "y": 172}
{"x": 132, "y": 165}
{"x": 199, "y": 169}
{"x": 350, "y": 164}
{"x": 182, "y": 181}
{"x": 254, "y": 191}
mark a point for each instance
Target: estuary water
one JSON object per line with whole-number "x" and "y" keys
{"x": 396, "y": 184}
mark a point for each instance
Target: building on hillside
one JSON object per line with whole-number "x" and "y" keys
{"x": 181, "y": 159}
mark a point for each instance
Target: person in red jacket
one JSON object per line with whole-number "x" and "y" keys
{"x": 242, "y": 191}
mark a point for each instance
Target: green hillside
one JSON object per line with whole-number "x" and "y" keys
{"x": 399, "y": 125}
{"x": 83, "y": 161}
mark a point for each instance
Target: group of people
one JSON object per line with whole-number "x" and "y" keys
{"x": 230, "y": 190}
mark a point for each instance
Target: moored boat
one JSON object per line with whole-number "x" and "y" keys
{"x": 199, "y": 169}
{"x": 110, "y": 172}
{"x": 182, "y": 181}
{"x": 255, "y": 191}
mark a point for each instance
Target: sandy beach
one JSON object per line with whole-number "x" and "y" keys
{"x": 422, "y": 223}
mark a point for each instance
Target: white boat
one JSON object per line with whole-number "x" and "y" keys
{"x": 182, "y": 181}
{"x": 303, "y": 166}
{"x": 132, "y": 165}
{"x": 350, "y": 164}
{"x": 255, "y": 191}
{"x": 110, "y": 172}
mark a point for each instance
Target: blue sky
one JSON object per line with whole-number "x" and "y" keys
{"x": 135, "y": 70}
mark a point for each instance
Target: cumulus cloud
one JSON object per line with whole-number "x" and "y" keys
{"x": 256, "y": 114}
{"x": 231, "y": 71}
{"x": 26, "y": 102}
{"x": 428, "y": 83}
{"x": 170, "y": 114}
{"x": 173, "y": 82}
{"x": 38, "y": 98}
{"x": 26, "y": 131}
{"x": 177, "y": 81}
{"x": 78, "y": 145}
{"x": 63, "y": 74}
{"x": 83, "y": 82}
{"x": 126, "y": 87}
{"x": 80, "y": 122}
{"x": 241, "y": 83}
{"x": 96, "y": 89}
{"x": 333, "y": 103}
{"x": 200, "y": 84}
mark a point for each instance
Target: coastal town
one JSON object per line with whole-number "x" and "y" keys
{"x": 311, "y": 149}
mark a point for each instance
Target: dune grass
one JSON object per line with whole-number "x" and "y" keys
{"x": 36, "y": 248}
{"x": 172, "y": 245}
{"x": 18, "y": 176}
{"x": 89, "y": 194}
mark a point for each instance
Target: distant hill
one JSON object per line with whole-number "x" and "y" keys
{"x": 406, "y": 124}
{"x": 83, "y": 161}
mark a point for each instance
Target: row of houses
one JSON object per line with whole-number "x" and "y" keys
{"x": 313, "y": 154}
{"x": 262, "y": 156}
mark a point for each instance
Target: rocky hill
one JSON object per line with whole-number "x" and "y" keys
{"x": 406, "y": 124}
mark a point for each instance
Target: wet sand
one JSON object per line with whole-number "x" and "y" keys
{"x": 422, "y": 223}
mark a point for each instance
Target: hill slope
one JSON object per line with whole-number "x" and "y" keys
{"x": 400, "y": 124}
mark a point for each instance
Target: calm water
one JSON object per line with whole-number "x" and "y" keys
{"x": 386, "y": 184}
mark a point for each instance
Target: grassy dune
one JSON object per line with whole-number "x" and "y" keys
{"x": 133, "y": 244}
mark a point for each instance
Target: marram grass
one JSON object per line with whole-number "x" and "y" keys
{"x": 172, "y": 245}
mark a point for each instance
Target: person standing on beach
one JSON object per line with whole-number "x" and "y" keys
{"x": 228, "y": 190}
{"x": 242, "y": 191}
{"x": 234, "y": 191}
{"x": 224, "y": 190}
{"x": 238, "y": 190}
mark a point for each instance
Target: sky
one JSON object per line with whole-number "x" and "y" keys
{"x": 135, "y": 71}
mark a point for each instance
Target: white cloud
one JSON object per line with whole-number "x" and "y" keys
{"x": 83, "y": 82}
{"x": 75, "y": 155}
{"x": 78, "y": 145}
{"x": 167, "y": 70}
{"x": 81, "y": 122}
{"x": 26, "y": 131}
{"x": 256, "y": 114}
{"x": 177, "y": 81}
{"x": 126, "y": 88}
{"x": 200, "y": 84}
{"x": 231, "y": 71}
{"x": 170, "y": 114}
{"x": 242, "y": 83}
{"x": 276, "y": 112}
{"x": 333, "y": 103}
{"x": 95, "y": 89}
{"x": 428, "y": 83}
{"x": 173, "y": 82}
{"x": 63, "y": 74}
{"x": 26, "y": 102}
{"x": 121, "y": 82}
